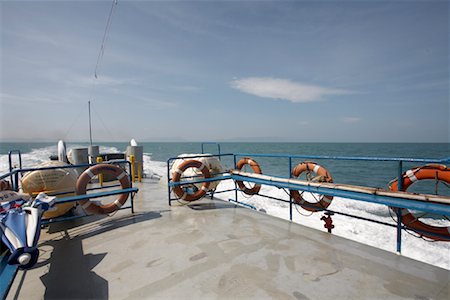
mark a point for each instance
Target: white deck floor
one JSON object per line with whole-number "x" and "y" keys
{"x": 213, "y": 249}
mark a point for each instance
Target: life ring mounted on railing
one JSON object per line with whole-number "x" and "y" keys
{"x": 321, "y": 175}
{"x": 433, "y": 172}
{"x": 87, "y": 176}
{"x": 179, "y": 191}
{"x": 256, "y": 168}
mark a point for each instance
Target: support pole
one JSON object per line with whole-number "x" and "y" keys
{"x": 235, "y": 184}
{"x": 133, "y": 175}
{"x": 139, "y": 171}
{"x": 100, "y": 176}
{"x": 398, "y": 210}
{"x": 90, "y": 127}
{"x": 290, "y": 195}
{"x": 168, "y": 181}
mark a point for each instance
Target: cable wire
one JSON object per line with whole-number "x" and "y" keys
{"x": 105, "y": 38}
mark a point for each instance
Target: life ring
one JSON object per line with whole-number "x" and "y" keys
{"x": 436, "y": 172}
{"x": 255, "y": 167}
{"x": 211, "y": 162}
{"x": 182, "y": 194}
{"x": 322, "y": 175}
{"x": 86, "y": 177}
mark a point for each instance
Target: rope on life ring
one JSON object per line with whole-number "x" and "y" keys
{"x": 178, "y": 190}
{"x": 255, "y": 167}
{"x": 86, "y": 177}
{"x": 322, "y": 175}
{"x": 434, "y": 172}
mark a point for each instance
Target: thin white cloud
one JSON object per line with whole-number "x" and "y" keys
{"x": 284, "y": 89}
{"x": 350, "y": 119}
{"x": 22, "y": 99}
{"x": 86, "y": 81}
{"x": 35, "y": 36}
{"x": 156, "y": 103}
{"x": 72, "y": 79}
{"x": 186, "y": 88}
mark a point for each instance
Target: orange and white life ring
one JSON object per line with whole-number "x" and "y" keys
{"x": 87, "y": 176}
{"x": 322, "y": 175}
{"x": 435, "y": 172}
{"x": 255, "y": 167}
{"x": 178, "y": 190}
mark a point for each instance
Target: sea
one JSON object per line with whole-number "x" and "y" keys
{"x": 366, "y": 173}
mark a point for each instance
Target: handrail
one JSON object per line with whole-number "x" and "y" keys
{"x": 7, "y": 274}
{"x": 363, "y": 158}
{"x": 344, "y": 187}
{"x": 395, "y": 200}
{"x": 197, "y": 156}
{"x": 17, "y": 171}
{"x": 14, "y": 178}
{"x": 19, "y": 154}
{"x": 211, "y": 143}
{"x": 386, "y": 198}
{"x": 71, "y": 166}
{"x": 96, "y": 195}
{"x": 212, "y": 179}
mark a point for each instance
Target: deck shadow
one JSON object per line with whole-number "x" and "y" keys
{"x": 106, "y": 222}
{"x": 212, "y": 205}
{"x": 70, "y": 224}
{"x": 70, "y": 274}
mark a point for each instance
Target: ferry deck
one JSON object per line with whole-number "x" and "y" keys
{"x": 213, "y": 249}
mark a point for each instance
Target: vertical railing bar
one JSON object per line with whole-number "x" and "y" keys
{"x": 399, "y": 210}
{"x": 168, "y": 181}
{"x": 132, "y": 194}
{"x": 16, "y": 182}
{"x": 290, "y": 196}
{"x": 235, "y": 184}
{"x": 15, "y": 179}
{"x": 211, "y": 143}
{"x": 131, "y": 185}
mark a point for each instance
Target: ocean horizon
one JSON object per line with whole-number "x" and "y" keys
{"x": 367, "y": 173}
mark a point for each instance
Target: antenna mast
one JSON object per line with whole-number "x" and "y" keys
{"x": 90, "y": 127}
{"x": 99, "y": 58}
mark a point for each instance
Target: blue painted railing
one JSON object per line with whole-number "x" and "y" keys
{"x": 211, "y": 143}
{"x": 8, "y": 272}
{"x": 396, "y": 202}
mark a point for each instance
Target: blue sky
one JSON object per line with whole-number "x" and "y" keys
{"x": 347, "y": 71}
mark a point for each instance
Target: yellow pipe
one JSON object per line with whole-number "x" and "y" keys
{"x": 139, "y": 172}
{"x": 100, "y": 176}
{"x": 133, "y": 175}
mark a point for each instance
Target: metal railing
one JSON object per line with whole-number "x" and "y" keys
{"x": 8, "y": 272}
{"x": 217, "y": 176}
{"x": 16, "y": 173}
{"x": 397, "y": 203}
{"x": 211, "y": 143}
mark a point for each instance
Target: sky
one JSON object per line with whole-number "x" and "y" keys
{"x": 298, "y": 71}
